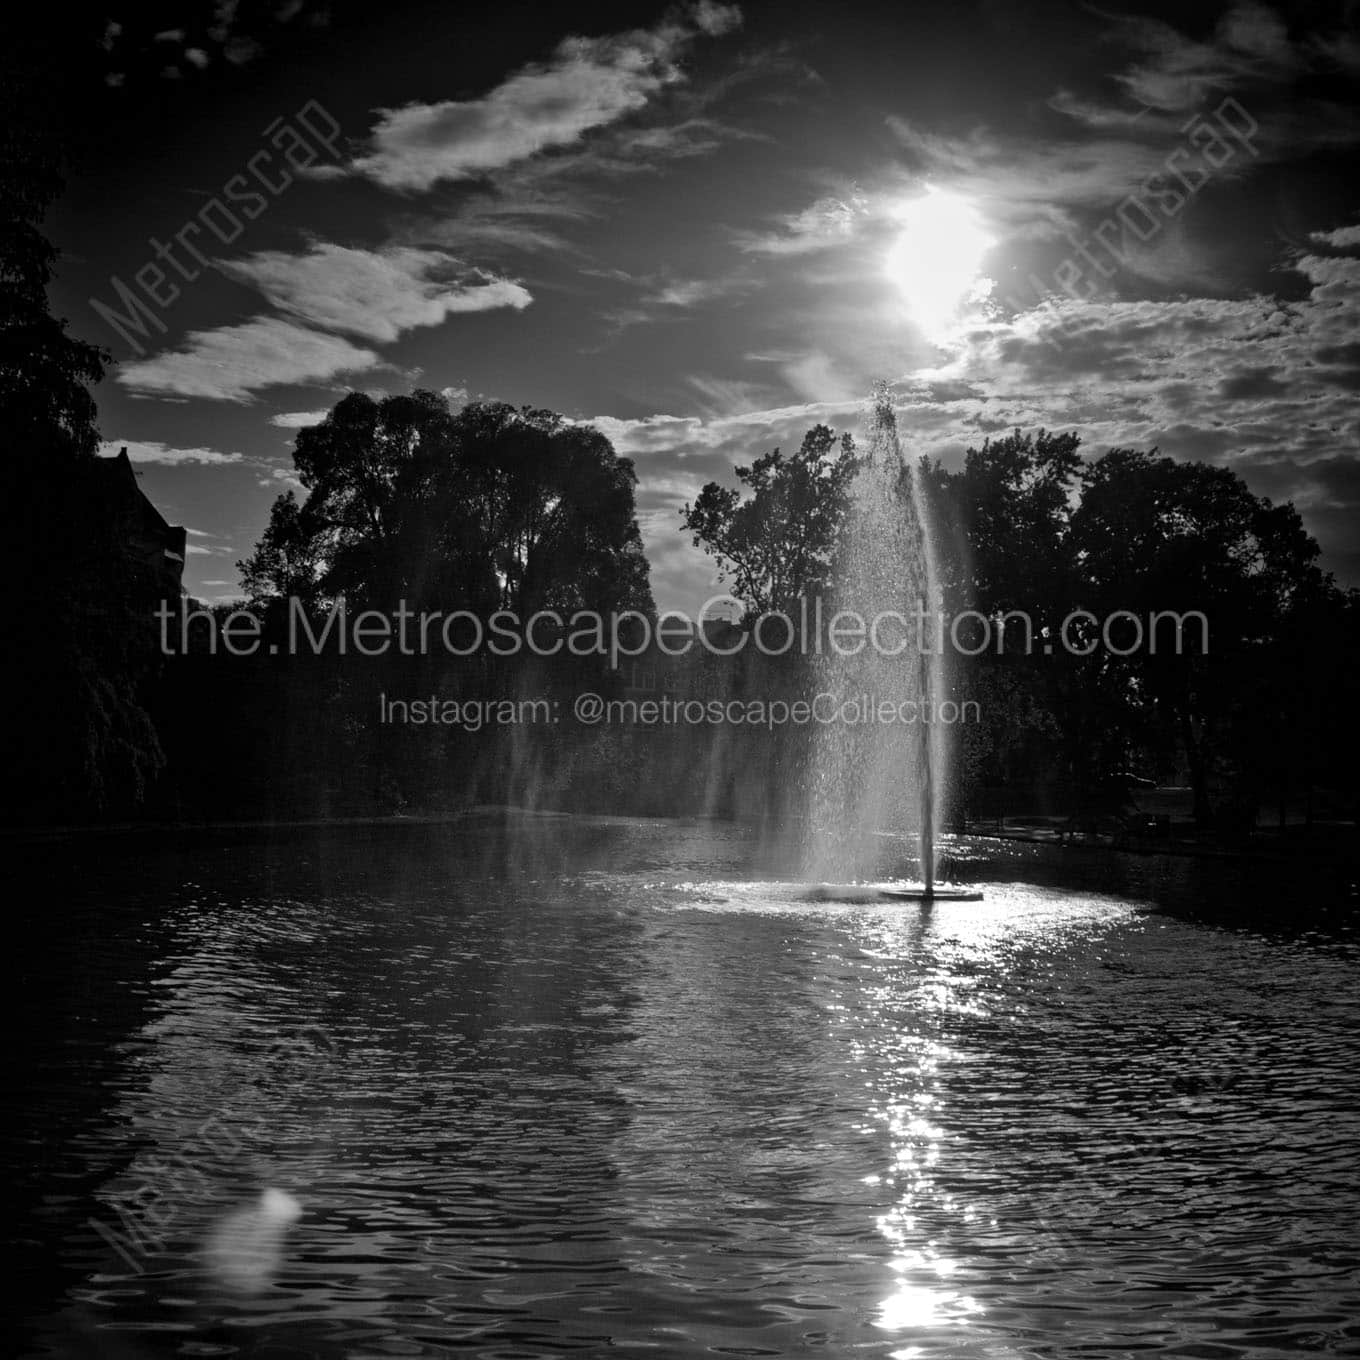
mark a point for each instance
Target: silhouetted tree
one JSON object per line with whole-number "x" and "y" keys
{"x": 547, "y": 506}
{"x": 490, "y": 508}
{"x": 78, "y": 741}
{"x": 1004, "y": 523}
{"x": 286, "y": 562}
{"x": 777, "y": 545}
{"x": 1156, "y": 536}
{"x": 1004, "y": 538}
{"x": 369, "y": 470}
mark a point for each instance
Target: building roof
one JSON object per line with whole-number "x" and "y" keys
{"x": 143, "y": 520}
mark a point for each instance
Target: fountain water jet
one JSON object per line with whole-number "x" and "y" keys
{"x": 877, "y": 777}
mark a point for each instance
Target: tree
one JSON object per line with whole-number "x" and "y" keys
{"x": 542, "y": 512}
{"x": 490, "y": 508}
{"x": 45, "y": 374}
{"x": 1004, "y": 522}
{"x": 77, "y": 738}
{"x": 286, "y": 562}
{"x": 1159, "y": 537}
{"x": 778, "y": 545}
{"x": 1003, "y": 534}
{"x": 367, "y": 468}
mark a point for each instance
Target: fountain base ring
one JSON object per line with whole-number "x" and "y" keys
{"x": 935, "y": 895}
{"x": 879, "y": 892}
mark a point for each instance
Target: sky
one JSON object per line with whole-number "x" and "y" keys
{"x": 706, "y": 227}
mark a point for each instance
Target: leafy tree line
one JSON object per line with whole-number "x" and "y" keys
{"x": 1026, "y": 524}
{"x": 410, "y": 503}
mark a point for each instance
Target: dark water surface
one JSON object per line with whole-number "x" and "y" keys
{"x": 606, "y": 1088}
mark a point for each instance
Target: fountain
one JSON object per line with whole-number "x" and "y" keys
{"x": 873, "y": 777}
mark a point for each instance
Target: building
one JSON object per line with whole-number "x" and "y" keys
{"x": 147, "y": 536}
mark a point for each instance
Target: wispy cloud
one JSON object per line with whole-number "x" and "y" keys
{"x": 503, "y": 223}
{"x": 233, "y": 362}
{"x": 1340, "y": 238}
{"x": 376, "y": 294}
{"x": 1029, "y": 184}
{"x": 830, "y": 221}
{"x": 662, "y": 298}
{"x": 1280, "y": 406}
{"x": 153, "y": 451}
{"x": 1250, "y": 54}
{"x": 280, "y": 476}
{"x": 297, "y": 420}
{"x": 587, "y": 83}
{"x": 685, "y": 293}
{"x": 1280, "y": 411}
{"x": 1249, "y": 44}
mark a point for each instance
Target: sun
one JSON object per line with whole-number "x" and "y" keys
{"x": 936, "y": 261}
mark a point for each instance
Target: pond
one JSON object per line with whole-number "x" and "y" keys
{"x": 549, "y": 1086}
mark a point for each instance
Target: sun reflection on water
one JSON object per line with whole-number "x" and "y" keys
{"x": 910, "y": 1116}
{"x": 916, "y": 1030}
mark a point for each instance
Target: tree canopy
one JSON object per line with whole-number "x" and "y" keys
{"x": 1027, "y": 524}
{"x": 779, "y": 543}
{"x": 489, "y": 507}
{"x": 1155, "y": 536}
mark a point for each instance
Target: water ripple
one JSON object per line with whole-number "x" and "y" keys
{"x": 638, "y": 1096}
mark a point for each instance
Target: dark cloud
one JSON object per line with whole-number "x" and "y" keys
{"x": 1252, "y": 383}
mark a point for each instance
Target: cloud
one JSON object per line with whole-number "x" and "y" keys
{"x": 493, "y": 228}
{"x": 1172, "y": 72}
{"x": 1257, "y": 31}
{"x": 587, "y": 83}
{"x": 1341, "y": 49}
{"x": 287, "y": 475}
{"x": 662, "y": 298}
{"x": 1279, "y": 410}
{"x": 1033, "y": 185}
{"x": 374, "y": 294}
{"x": 830, "y": 221}
{"x": 153, "y": 451}
{"x": 1026, "y": 187}
{"x": 1110, "y": 117}
{"x": 1045, "y": 187}
{"x": 1341, "y": 238}
{"x": 233, "y": 362}
{"x": 219, "y": 546}
{"x": 535, "y": 205}
{"x": 715, "y": 19}
{"x": 297, "y": 420}
{"x": 684, "y": 293}
{"x": 1249, "y": 53}
{"x": 726, "y": 396}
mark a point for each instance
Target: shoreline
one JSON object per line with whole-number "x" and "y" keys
{"x": 1317, "y": 849}
{"x": 1273, "y": 853}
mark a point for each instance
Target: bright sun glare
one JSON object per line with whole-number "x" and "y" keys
{"x": 937, "y": 258}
